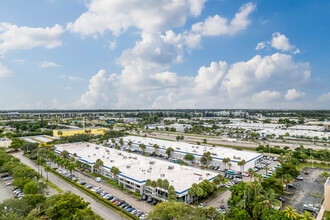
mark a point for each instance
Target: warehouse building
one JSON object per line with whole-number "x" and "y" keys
{"x": 183, "y": 148}
{"x": 136, "y": 169}
{"x": 71, "y": 132}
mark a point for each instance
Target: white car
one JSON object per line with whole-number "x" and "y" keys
{"x": 201, "y": 205}
{"x": 98, "y": 179}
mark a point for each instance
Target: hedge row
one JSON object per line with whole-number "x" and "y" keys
{"x": 107, "y": 202}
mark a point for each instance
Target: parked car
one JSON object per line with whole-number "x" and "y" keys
{"x": 280, "y": 198}
{"x": 9, "y": 184}
{"x": 201, "y": 205}
{"x": 290, "y": 185}
{"x": 4, "y": 175}
{"x": 98, "y": 179}
{"x": 149, "y": 199}
{"x": 299, "y": 178}
{"x": 144, "y": 197}
{"x": 154, "y": 202}
{"x": 8, "y": 178}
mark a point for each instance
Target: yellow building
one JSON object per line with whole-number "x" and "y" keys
{"x": 71, "y": 132}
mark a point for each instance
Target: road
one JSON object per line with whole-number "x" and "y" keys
{"x": 98, "y": 208}
{"x": 213, "y": 140}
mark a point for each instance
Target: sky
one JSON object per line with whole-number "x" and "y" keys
{"x": 164, "y": 54}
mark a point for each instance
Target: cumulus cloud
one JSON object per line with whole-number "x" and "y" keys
{"x": 14, "y": 37}
{"x": 266, "y": 96}
{"x": 324, "y": 97}
{"x": 279, "y": 42}
{"x": 147, "y": 15}
{"x": 293, "y": 94}
{"x": 4, "y": 71}
{"x": 217, "y": 25}
{"x": 46, "y": 64}
{"x": 257, "y": 80}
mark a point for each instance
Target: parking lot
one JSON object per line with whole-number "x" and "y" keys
{"x": 309, "y": 191}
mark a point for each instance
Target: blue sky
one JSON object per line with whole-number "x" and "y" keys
{"x": 59, "y": 54}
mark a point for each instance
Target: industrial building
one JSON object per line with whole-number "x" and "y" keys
{"x": 183, "y": 148}
{"x": 5, "y": 142}
{"x": 71, "y": 132}
{"x": 136, "y": 169}
{"x": 40, "y": 139}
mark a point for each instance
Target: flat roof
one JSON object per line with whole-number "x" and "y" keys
{"x": 138, "y": 168}
{"x": 77, "y": 129}
{"x": 182, "y": 147}
{"x": 5, "y": 139}
{"x": 38, "y": 138}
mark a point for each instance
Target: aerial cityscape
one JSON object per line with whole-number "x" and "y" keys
{"x": 164, "y": 110}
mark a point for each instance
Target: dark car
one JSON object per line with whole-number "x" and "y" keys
{"x": 149, "y": 199}
{"x": 238, "y": 176}
{"x": 291, "y": 186}
{"x": 4, "y": 175}
{"x": 144, "y": 197}
{"x": 154, "y": 202}
{"x": 280, "y": 198}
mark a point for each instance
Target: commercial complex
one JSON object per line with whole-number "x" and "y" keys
{"x": 183, "y": 148}
{"x": 136, "y": 169}
{"x": 326, "y": 203}
{"x": 71, "y": 132}
{"x": 5, "y": 142}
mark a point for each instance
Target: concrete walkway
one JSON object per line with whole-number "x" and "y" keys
{"x": 98, "y": 208}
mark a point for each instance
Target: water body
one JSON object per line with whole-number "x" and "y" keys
{"x": 5, "y": 192}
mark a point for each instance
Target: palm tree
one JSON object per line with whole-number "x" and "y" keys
{"x": 269, "y": 198}
{"x": 39, "y": 162}
{"x": 291, "y": 213}
{"x": 115, "y": 171}
{"x": 211, "y": 213}
{"x": 47, "y": 169}
{"x": 251, "y": 172}
{"x": 243, "y": 162}
{"x": 306, "y": 216}
{"x": 225, "y": 161}
{"x": 229, "y": 165}
{"x": 71, "y": 167}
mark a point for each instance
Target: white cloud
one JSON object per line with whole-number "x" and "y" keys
{"x": 281, "y": 42}
{"x": 147, "y": 15}
{"x": 324, "y": 97}
{"x": 71, "y": 78}
{"x": 113, "y": 45}
{"x": 46, "y": 64}
{"x": 293, "y": 94}
{"x": 217, "y": 25}
{"x": 208, "y": 78}
{"x": 261, "y": 46}
{"x": 13, "y": 37}
{"x": 266, "y": 96}
{"x": 4, "y": 71}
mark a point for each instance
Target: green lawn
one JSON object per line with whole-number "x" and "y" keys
{"x": 303, "y": 165}
{"x": 326, "y": 214}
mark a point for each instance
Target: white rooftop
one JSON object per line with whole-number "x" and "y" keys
{"x": 139, "y": 168}
{"x": 197, "y": 150}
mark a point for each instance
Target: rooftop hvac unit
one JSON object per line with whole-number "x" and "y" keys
{"x": 119, "y": 154}
{"x": 94, "y": 154}
{"x": 207, "y": 174}
{"x": 170, "y": 167}
{"x": 200, "y": 178}
{"x": 149, "y": 171}
{"x": 107, "y": 157}
{"x": 89, "y": 155}
{"x": 128, "y": 166}
{"x": 96, "y": 148}
{"x": 111, "y": 160}
{"x": 103, "y": 156}
{"x": 152, "y": 162}
{"x": 162, "y": 175}
{"x": 125, "y": 157}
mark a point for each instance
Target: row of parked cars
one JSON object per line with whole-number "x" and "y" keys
{"x": 151, "y": 200}
{"x": 116, "y": 201}
{"x": 17, "y": 192}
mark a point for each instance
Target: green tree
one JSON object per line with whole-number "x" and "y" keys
{"x": 47, "y": 170}
{"x": 290, "y": 213}
{"x": 159, "y": 182}
{"x": 166, "y": 184}
{"x": 153, "y": 183}
{"x": 225, "y": 161}
{"x": 211, "y": 213}
{"x": 115, "y": 171}
{"x": 169, "y": 150}
{"x": 189, "y": 157}
{"x": 325, "y": 174}
{"x": 171, "y": 194}
{"x": 306, "y": 216}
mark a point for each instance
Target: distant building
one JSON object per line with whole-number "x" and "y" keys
{"x": 71, "y": 132}
{"x": 5, "y": 142}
